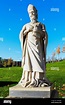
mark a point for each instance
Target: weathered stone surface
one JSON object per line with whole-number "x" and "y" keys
{"x": 34, "y": 92}
{"x": 34, "y": 40}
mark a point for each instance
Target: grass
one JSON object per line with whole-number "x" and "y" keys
{"x": 9, "y": 77}
{"x": 10, "y": 74}
{"x": 55, "y": 72}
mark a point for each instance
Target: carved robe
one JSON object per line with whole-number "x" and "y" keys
{"x": 34, "y": 44}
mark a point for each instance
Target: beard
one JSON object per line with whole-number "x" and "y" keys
{"x": 33, "y": 18}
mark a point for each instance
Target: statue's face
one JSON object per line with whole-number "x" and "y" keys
{"x": 33, "y": 15}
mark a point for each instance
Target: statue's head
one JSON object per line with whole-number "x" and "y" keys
{"x": 32, "y": 11}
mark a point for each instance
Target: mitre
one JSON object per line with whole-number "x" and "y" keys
{"x": 31, "y": 8}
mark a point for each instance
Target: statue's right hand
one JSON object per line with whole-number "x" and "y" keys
{"x": 26, "y": 31}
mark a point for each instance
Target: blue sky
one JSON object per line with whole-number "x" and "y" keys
{"x": 13, "y": 15}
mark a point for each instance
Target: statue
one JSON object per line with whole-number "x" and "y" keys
{"x": 34, "y": 39}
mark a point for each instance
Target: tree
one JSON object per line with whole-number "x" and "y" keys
{"x": 53, "y": 55}
{"x": 14, "y": 63}
{"x": 58, "y": 51}
{"x": 63, "y": 50}
{"x": 5, "y": 64}
{"x": 10, "y": 62}
{"x": 1, "y": 62}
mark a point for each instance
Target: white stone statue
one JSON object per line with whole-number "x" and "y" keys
{"x": 34, "y": 39}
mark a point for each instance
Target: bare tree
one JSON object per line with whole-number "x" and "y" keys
{"x": 58, "y": 51}
{"x": 53, "y": 55}
{"x": 63, "y": 50}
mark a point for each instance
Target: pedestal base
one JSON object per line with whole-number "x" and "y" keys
{"x": 36, "y": 92}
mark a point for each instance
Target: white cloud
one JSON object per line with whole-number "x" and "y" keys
{"x": 9, "y": 9}
{"x": 54, "y": 29}
{"x": 9, "y": 49}
{"x": 43, "y": 19}
{"x": 20, "y": 19}
{"x": 54, "y": 48}
{"x": 1, "y": 39}
{"x": 54, "y": 10}
{"x": 9, "y": 29}
{"x": 63, "y": 39}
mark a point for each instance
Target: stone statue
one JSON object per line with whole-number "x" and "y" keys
{"x": 34, "y": 39}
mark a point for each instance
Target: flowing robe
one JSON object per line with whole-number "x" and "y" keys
{"x": 33, "y": 38}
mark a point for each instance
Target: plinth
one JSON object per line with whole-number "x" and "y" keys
{"x": 34, "y": 92}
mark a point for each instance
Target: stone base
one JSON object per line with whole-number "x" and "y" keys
{"x": 36, "y": 92}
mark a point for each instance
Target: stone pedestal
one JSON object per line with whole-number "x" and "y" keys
{"x": 23, "y": 92}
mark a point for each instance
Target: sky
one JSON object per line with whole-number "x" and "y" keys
{"x": 13, "y": 15}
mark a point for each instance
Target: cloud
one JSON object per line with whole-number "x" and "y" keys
{"x": 54, "y": 10}
{"x": 9, "y": 9}
{"x": 1, "y": 39}
{"x": 20, "y": 19}
{"x": 54, "y": 29}
{"x": 43, "y": 19}
{"x": 9, "y": 29}
{"x": 9, "y": 49}
{"x": 54, "y": 48}
{"x": 63, "y": 39}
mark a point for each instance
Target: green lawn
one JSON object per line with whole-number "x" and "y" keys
{"x": 55, "y": 72}
{"x": 10, "y": 74}
{"x": 9, "y": 77}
